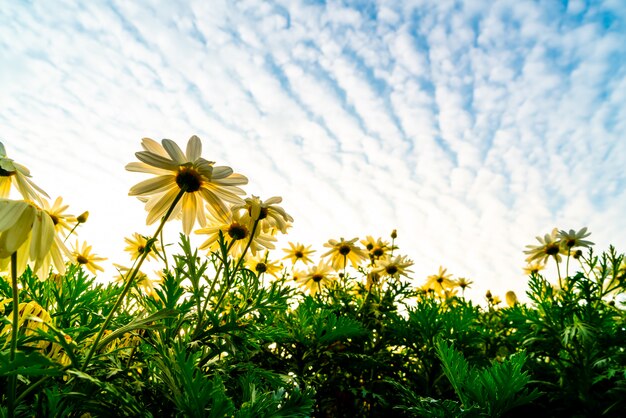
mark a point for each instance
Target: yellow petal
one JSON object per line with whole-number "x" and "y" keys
{"x": 194, "y": 148}
{"x": 174, "y": 151}
{"x": 154, "y": 185}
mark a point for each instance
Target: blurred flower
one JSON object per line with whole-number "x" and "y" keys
{"x": 236, "y": 233}
{"x": 12, "y": 173}
{"x": 84, "y": 257}
{"x": 574, "y": 239}
{"x": 60, "y": 219}
{"x": 511, "y": 298}
{"x": 534, "y": 267}
{"x": 28, "y": 231}
{"x": 550, "y": 247}
{"x": 270, "y": 215}
{"x": 137, "y": 246}
{"x": 142, "y": 281}
{"x": 343, "y": 251}
{"x": 262, "y": 264}
{"x": 393, "y": 267}
{"x": 32, "y": 318}
{"x": 298, "y": 252}
{"x": 317, "y": 277}
{"x": 464, "y": 283}
{"x": 440, "y": 282}
{"x": 175, "y": 170}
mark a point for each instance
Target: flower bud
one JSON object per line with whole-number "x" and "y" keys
{"x": 82, "y": 218}
{"x": 394, "y": 234}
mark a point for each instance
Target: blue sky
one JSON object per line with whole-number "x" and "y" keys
{"x": 471, "y": 127}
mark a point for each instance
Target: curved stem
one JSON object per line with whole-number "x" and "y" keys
{"x": 14, "y": 331}
{"x": 130, "y": 279}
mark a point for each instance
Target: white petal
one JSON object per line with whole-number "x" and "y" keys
{"x": 174, "y": 151}
{"x": 194, "y": 148}
{"x": 154, "y": 185}
{"x": 156, "y": 160}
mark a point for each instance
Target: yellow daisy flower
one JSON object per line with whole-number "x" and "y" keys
{"x": 440, "y": 282}
{"x": 137, "y": 246}
{"x": 236, "y": 233}
{"x": 464, "y": 283}
{"x": 14, "y": 174}
{"x": 84, "y": 257}
{"x": 176, "y": 170}
{"x": 270, "y": 215}
{"x": 393, "y": 267}
{"x": 343, "y": 251}
{"x": 60, "y": 219}
{"x": 376, "y": 247}
{"x": 261, "y": 264}
{"x": 550, "y": 247}
{"x": 298, "y": 252}
{"x": 317, "y": 277}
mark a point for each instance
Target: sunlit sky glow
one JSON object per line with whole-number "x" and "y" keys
{"x": 471, "y": 127}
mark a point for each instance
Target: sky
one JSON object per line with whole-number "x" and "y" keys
{"x": 471, "y": 127}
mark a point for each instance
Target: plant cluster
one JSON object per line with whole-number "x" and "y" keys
{"x": 232, "y": 329}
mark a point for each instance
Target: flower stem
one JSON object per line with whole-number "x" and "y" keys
{"x": 130, "y": 279}
{"x": 14, "y": 330}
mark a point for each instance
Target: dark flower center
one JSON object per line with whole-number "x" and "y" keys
{"x": 4, "y": 173}
{"x": 552, "y": 249}
{"x": 570, "y": 243}
{"x": 344, "y": 249}
{"x": 190, "y": 178}
{"x": 439, "y": 279}
{"x": 391, "y": 270}
{"x": 237, "y": 231}
{"x": 298, "y": 254}
{"x": 317, "y": 278}
{"x": 378, "y": 252}
{"x": 261, "y": 268}
{"x": 369, "y": 246}
{"x": 81, "y": 260}
{"x": 55, "y": 219}
{"x": 141, "y": 249}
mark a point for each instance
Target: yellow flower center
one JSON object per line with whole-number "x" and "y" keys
{"x": 188, "y": 177}
{"x": 317, "y": 278}
{"x": 344, "y": 249}
{"x": 81, "y": 260}
{"x": 237, "y": 232}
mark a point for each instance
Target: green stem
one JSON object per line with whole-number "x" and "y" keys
{"x": 130, "y": 279}
{"x": 14, "y": 331}
{"x": 558, "y": 270}
{"x": 237, "y": 266}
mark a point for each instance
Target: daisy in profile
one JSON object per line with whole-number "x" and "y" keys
{"x": 440, "y": 282}
{"x": 298, "y": 252}
{"x": 28, "y": 232}
{"x": 84, "y": 257}
{"x": 269, "y": 214}
{"x": 343, "y": 251}
{"x": 177, "y": 171}
{"x": 18, "y": 176}
{"x": 142, "y": 281}
{"x": 137, "y": 246}
{"x": 534, "y": 268}
{"x": 317, "y": 277}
